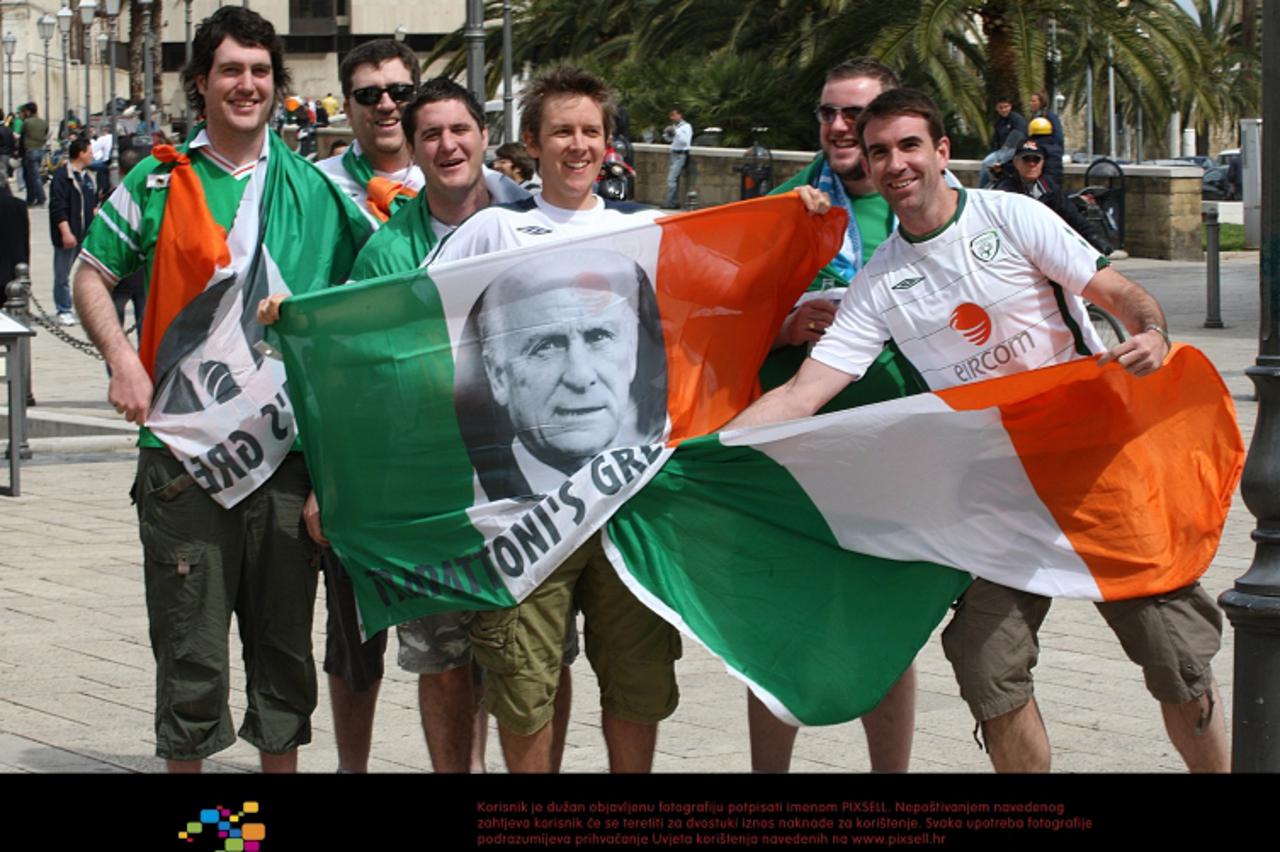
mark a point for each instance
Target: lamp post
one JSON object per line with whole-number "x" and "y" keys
{"x": 103, "y": 41}
{"x": 1253, "y": 603}
{"x": 146, "y": 65}
{"x": 87, "y": 10}
{"x": 508, "y": 112}
{"x": 186, "y": 109}
{"x": 473, "y": 37}
{"x": 45, "y": 26}
{"x": 64, "y": 26}
{"x": 111, "y": 8}
{"x": 10, "y": 44}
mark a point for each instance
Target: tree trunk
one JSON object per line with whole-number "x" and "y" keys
{"x": 1002, "y": 73}
{"x": 137, "y": 47}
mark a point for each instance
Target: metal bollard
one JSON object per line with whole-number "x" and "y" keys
{"x": 1213, "y": 284}
{"x": 17, "y": 306}
{"x": 691, "y": 200}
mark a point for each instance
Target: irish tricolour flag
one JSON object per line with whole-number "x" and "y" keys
{"x": 468, "y": 430}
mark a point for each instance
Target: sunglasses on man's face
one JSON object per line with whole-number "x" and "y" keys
{"x": 827, "y": 113}
{"x": 1031, "y": 158}
{"x": 371, "y": 95}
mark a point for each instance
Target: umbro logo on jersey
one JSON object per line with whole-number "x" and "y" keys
{"x": 907, "y": 283}
{"x": 535, "y": 230}
{"x": 985, "y": 246}
{"x": 973, "y": 322}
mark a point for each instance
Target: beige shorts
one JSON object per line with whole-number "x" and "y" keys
{"x": 631, "y": 650}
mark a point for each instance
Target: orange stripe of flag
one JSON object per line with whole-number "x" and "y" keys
{"x": 1138, "y": 473}
{"x": 731, "y": 278}
{"x": 189, "y": 248}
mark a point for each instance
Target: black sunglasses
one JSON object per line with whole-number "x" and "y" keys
{"x": 371, "y": 95}
{"x": 826, "y": 113}
{"x": 1031, "y": 158}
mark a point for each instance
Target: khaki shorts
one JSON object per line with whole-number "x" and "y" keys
{"x": 992, "y": 643}
{"x": 631, "y": 650}
{"x": 201, "y": 564}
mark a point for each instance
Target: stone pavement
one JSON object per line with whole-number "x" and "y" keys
{"x": 76, "y": 674}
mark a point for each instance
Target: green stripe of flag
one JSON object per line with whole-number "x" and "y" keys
{"x": 728, "y": 539}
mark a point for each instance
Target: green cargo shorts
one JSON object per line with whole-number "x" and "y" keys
{"x": 202, "y": 563}
{"x": 631, "y": 650}
{"x": 993, "y": 643}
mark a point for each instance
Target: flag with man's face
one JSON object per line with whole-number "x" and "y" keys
{"x": 468, "y": 430}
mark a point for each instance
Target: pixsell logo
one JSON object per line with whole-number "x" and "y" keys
{"x": 225, "y": 830}
{"x": 973, "y": 322}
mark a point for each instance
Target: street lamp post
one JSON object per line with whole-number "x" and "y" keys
{"x": 111, "y": 8}
{"x": 186, "y": 109}
{"x": 1253, "y": 603}
{"x": 146, "y": 65}
{"x": 473, "y": 35}
{"x": 10, "y": 44}
{"x": 64, "y": 26}
{"x": 87, "y": 10}
{"x": 104, "y": 44}
{"x": 46, "y": 25}
{"x": 508, "y": 112}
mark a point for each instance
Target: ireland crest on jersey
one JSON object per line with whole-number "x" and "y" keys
{"x": 985, "y": 246}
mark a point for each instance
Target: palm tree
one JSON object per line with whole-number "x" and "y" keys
{"x": 973, "y": 52}
{"x": 1231, "y": 68}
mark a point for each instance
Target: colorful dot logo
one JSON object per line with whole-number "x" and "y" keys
{"x": 228, "y": 831}
{"x": 973, "y": 322}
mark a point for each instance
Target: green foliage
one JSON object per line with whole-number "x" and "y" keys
{"x": 739, "y": 63}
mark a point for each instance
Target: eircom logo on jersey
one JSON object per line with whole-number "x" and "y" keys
{"x": 974, "y": 324}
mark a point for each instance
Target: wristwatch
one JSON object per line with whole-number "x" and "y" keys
{"x": 1160, "y": 331}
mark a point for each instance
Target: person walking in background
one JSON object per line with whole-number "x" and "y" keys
{"x": 73, "y": 198}
{"x": 35, "y": 134}
{"x": 681, "y": 134}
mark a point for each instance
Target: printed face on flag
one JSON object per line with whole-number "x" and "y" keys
{"x": 562, "y": 340}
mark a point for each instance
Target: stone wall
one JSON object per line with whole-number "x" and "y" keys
{"x": 1162, "y": 204}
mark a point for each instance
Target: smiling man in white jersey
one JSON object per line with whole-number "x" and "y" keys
{"x": 976, "y": 285}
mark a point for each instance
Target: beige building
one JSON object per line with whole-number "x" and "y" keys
{"x": 317, "y": 34}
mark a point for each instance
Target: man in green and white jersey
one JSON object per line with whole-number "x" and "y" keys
{"x": 216, "y": 225}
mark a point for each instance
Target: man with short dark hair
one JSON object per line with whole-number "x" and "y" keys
{"x": 514, "y": 161}
{"x": 442, "y": 126}
{"x": 377, "y": 172}
{"x": 1009, "y": 131}
{"x": 839, "y": 171}
{"x": 1010, "y": 261}
{"x": 219, "y": 223}
{"x": 72, "y": 201}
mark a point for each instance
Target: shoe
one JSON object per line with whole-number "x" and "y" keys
{"x": 66, "y": 319}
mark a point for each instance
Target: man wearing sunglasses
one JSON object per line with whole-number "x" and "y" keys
{"x": 440, "y": 127}
{"x": 378, "y": 78}
{"x": 840, "y": 172}
{"x": 1029, "y": 179}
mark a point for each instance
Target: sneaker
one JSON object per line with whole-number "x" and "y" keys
{"x": 66, "y": 319}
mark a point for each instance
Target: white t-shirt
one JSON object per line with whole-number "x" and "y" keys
{"x": 534, "y": 222}
{"x": 993, "y": 292}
